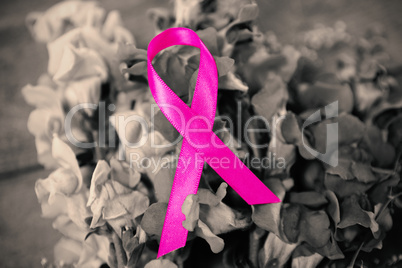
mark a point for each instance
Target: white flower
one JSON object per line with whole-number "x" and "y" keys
{"x": 60, "y": 18}
{"x": 113, "y": 202}
{"x": 79, "y": 63}
{"x": 62, "y": 192}
{"x": 45, "y": 120}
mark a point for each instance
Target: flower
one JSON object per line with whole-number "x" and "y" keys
{"x": 113, "y": 202}
{"x": 45, "y": 120}
{"x": 57, "y": 20}
{"x": 207, "y": 216}
{"x": 62, "y": 192}
{"x": 87, "y": 254}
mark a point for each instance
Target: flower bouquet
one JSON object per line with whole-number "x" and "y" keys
{"x": 318, "y": 122}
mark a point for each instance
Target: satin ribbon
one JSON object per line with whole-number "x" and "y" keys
{"x": 199, "y": 142}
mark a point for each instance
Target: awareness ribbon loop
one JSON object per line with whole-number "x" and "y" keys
{"x": 199, "y": 141}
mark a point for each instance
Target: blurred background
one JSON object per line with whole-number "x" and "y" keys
{"x": 24, "y": 236}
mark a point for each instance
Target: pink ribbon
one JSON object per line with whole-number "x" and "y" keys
{"x": 199, "y": 142}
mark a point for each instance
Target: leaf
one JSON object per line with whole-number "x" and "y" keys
{"x": 290, "y": 129}
{"x": 84, "y": 91}
{"x": 76, "y": 209}
{"x": 292, "y": 57}
{"x": 289, "y": 222}
{"x": 312, "y": 199}
{"x": 47, "y": 26}
{"x": 215, "y": 242}
{"x": 268, "y": 216}
{"x": 66, "y": 158}
{"x": 153, "y": 219}
{"x": 171, "y": 70}
{"x": 350, "y": 130}
{"x": 64, "y": 225}
{"x": 99, "y": 177}
{"x": 191, "y": 209}
{"x": 343, "y": 169}
{"x": 307, "y": 262}
{"x": 314, "y": 228}
{"x": 383, "y": 152}
{"x": 275, "y": 252}
{"x": 113, "y": 29}
{"x": 224, "y": 65}
{"x": 163, "y": 182}
{"x": 162, "y": 18}
{"x": 41, "y": 96}
{"x": 272, "y": 97}
{"x": 385, "y": 221}
{"x": 322, "y": 93}
{"x": 121, "y": 172}
{"x": 129, "y": 54}
{"x": 219, "y": 217}
{"x": 128, "y": 240}
{"x": 67, "y": 250}
{"x": 163, "y": 126}
{"x": 80, "y": 63}
{"x": 363, "y": 172}
{"x": 231, "y": 82}
{"x": 248, "y": 13}
{"x": 344, "y": 188}
{"x": 139, "y": 68}
{"x": 132, "y": 205}
{"x": 380, "y": 192}
{"x": 333, "y": 209}
{"x": 209, "y": 37}
{"x": 160, "y": 263}
{"x": 331, "y": 250}
{"x": 352, "y": 214}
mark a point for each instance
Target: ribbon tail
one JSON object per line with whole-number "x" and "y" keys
{"x": 186, "y": 180}
{"x": 237, "y": 174}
